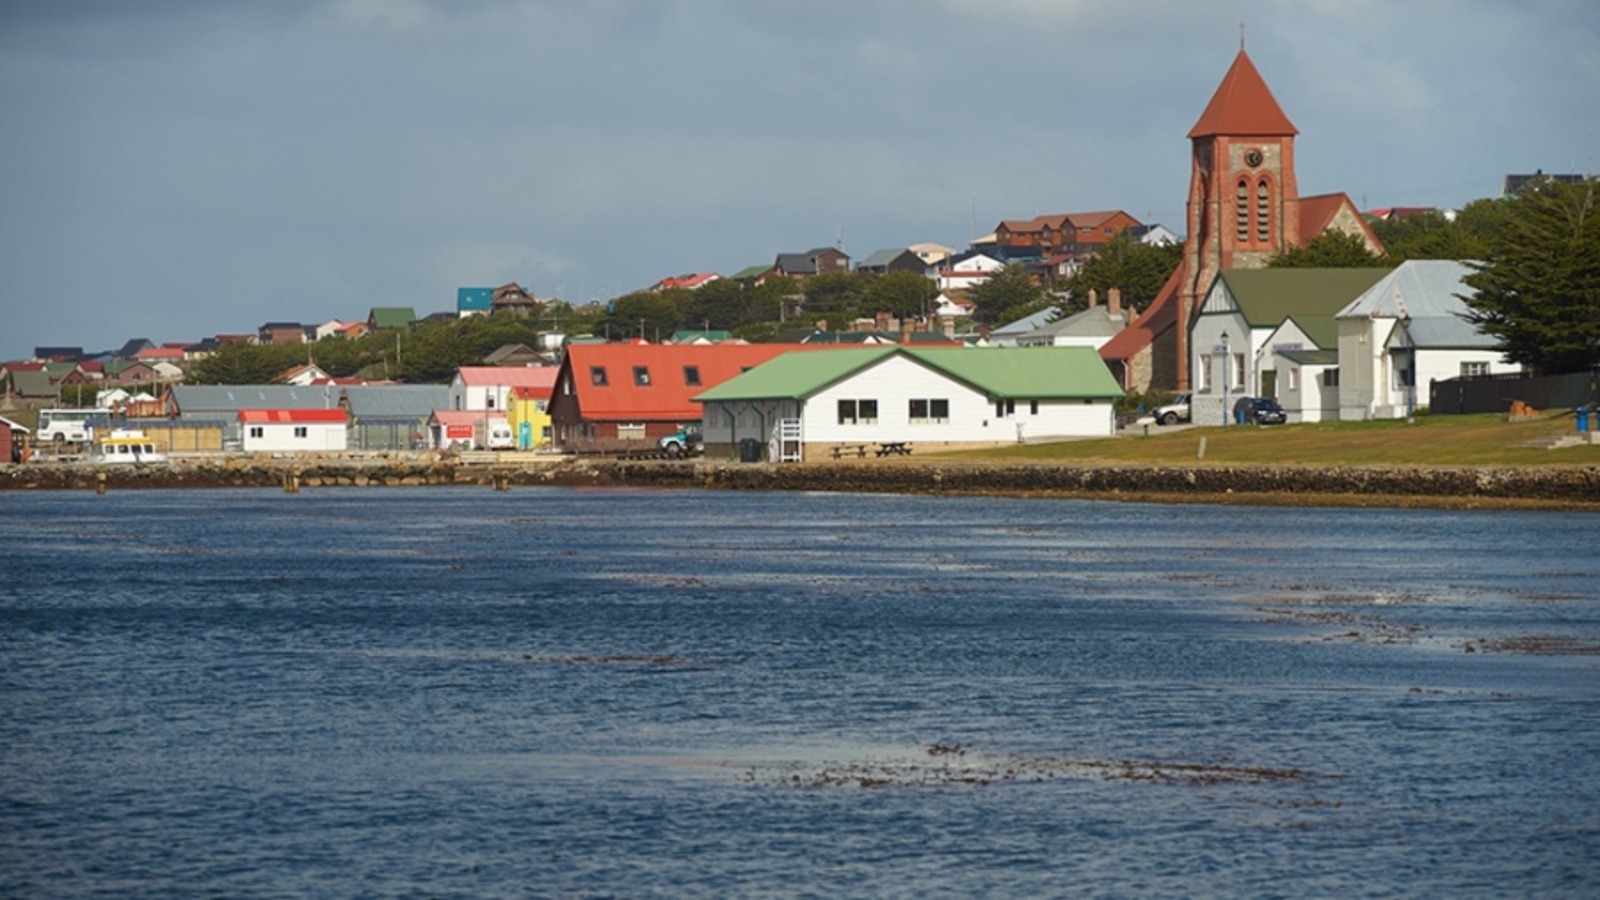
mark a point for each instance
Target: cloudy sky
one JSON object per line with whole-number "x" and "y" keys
{"x": 172, "y": 169}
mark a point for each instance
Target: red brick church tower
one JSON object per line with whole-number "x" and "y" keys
{"x": 1243, "y": 199}
{"x": 1244, "y": 207}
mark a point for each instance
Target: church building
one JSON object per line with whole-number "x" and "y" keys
{"x": 1244, "y": 207}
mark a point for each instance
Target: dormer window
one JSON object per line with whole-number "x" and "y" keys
{"x": 641, "y": 376}
{"x": 691, "y": 376}
{"x": 597, "y": 375}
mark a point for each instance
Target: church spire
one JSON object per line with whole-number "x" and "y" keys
{"x": 1243, "y": 105}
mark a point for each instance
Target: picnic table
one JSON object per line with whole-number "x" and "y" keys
{"x": 894, "y": 448}
{"x": 840, "y": 451}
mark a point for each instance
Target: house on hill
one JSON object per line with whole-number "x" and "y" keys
{"x": 489, "y": 387}
{"x": 818, "y": 261}
{"x": 380, "y": 318}
{"x": 808, "y": 405}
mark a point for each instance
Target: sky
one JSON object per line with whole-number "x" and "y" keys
{"x": 175, "y": 169}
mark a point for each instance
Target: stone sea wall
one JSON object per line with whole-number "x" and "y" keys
{"x": 1575, "y": 486}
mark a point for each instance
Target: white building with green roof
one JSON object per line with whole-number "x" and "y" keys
{"x": 806, "y": 405}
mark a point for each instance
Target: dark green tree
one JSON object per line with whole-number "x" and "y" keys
{"x": 1538, "y": 290}
{"x": 642, "y": 314}
{"x": 834, "y": 293}
{"x": 1136, "y": 269}
{"x": 1011, "y": 288}
{"x": 1328, "y": 250}
{"x": 719, "y": 305}
{"x": 246, "y": 363}
{"x": 1427, "y": 235}
{"x": 900, "y": 294}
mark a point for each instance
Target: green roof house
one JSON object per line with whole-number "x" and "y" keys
{"x": 827, "y": 403}
{"x": 381, "y": 317}
{"x": 1249, "y": 316}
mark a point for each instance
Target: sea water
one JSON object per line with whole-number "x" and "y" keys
{"x": 450, "y": 692}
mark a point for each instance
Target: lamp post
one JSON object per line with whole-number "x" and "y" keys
{"x": 1410, "y": 370}
{"x": 1227, "y": 362}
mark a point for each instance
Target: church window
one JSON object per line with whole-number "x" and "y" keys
{"x": 1263, "y": 212}
{"x": 1242, "y": 211}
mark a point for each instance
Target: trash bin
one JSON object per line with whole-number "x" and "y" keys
{"x": 749, "y": 450}
{"x": 1583, "y": 418}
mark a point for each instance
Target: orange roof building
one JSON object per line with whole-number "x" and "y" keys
{"x": 613, "y": 395}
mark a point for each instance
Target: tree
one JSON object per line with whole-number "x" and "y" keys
{"x": 1538, "y": 290}
{"x": 1136, "y": 269}
{"x": 1329, "y": 250}
{"x": 901, "y": 294}
{"x": 834, "y": 293}
{"x": 1009, "y": 288}
{"x": 718, "y": 304}
{"x": 643, "y": 314}
{"x": 1428, "y": 235}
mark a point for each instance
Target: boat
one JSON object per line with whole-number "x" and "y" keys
{"x": 127, "y": 445}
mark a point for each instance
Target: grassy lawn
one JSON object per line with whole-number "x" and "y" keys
{"x": 1475, "y": 440}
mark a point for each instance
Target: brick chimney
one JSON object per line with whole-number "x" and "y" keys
{"x": 1114, "y": 302}
{"x": 1094, "y": 298}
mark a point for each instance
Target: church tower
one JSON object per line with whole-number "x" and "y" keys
{"x": 1243, "y": 198}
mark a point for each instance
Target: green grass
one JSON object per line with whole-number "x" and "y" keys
{"x": 1475, "y": 440}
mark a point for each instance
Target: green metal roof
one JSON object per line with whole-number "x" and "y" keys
{"x": 392, "y": 316}
{"x": 1322, "y": 330}
{"x": 1036, "y": 373}
{"x": 1268, "y": 296}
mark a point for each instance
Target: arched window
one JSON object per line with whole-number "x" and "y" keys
{"x": 1242, "y": 211}
{"x": 1263, "y": 211}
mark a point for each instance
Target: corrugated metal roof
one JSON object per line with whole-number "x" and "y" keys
{"x": 195, "y": 400}
{"x": 396, "y": 401}
{"x": 1428, "y": 290}
{"x": 1000, "y": 372}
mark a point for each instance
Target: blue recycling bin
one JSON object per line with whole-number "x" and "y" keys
{"x": 1583, "y": 418}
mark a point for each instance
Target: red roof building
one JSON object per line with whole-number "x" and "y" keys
{"x": 613, "y": 395}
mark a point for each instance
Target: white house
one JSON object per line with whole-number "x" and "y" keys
{"x": 293, "y": 430}
{"x": 1092, "y": 327}
{"x": 476, "y": 388}
{"x": 805, "y": 404}
{"x": 1230, "y": 339}
{"x": 1404, "y": 332}
{"x": 967, "y": 270}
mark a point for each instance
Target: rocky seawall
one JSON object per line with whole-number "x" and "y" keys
{"x": 1543, "y": 486}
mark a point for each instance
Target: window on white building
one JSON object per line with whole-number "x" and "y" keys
{"x": 858, "y": 412}
{"x": 1474, "y": 369}
{"x": 925, "y": 412}
{"x": 1294, "y": 378}
{"x": 300, "y": 431}
{"x": 1330, "y": 378}
{"x": 1205, "y": 374}
{"x": 1003, "y": 408}
{"x": 257, "y": 431}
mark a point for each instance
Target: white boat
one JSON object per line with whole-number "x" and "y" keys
{"x": 126, "y": 445}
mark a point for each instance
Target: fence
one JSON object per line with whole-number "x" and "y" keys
{"x": 1496, "y": 393}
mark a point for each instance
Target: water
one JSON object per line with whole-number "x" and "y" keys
{"x": 449, "y": 692}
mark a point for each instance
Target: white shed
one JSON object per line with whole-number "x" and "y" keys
{"x": 293, "y": 430}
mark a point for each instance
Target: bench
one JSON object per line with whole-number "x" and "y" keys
{"x": 840, "y": 451}
{"x": 894, "y": 448}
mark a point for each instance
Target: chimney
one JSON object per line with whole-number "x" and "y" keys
{"x": 1094, "y": 298}
{"x": 1114, "y": 302}
{"x": 949, "y": 328}
{"x": 905, "y": 332}
{"x": 822, "y": 325}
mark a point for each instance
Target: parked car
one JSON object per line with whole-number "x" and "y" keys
{"x": 1174, "y": 412}
{"x": 1260, "y": 410}
{"x": 685, "y": 442}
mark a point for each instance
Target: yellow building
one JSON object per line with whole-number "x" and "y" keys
{"x": 528, "y": 414}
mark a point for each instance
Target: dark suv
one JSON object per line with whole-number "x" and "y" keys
{"x": 1260, "y": 410}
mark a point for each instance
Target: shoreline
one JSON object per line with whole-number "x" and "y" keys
{"x": 1542, "y": 487}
